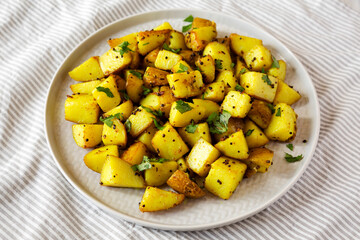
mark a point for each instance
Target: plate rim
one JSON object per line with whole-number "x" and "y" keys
{"x": 163, "y": 226}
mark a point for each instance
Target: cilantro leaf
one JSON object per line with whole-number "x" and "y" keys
{"x": 136, "y": 74}
{"x": 126, "y": 96}
{"x": 203, "y": 96}
{"x": 190, "y": 18}
{"x": 191, "y": 128}
{"x": 156, "y": 113}
{"x": 122, "y": 48}
{"x": 218, "y": 64}
{"x": 271, "y": 107}
{"x": 262, "y": 70}
{"x": 218, "y": 122}
{"x": 182, "y": 106}
{"x": 242, "y": 70}
{"x": 186, "y": 28}
{"x": 238, "y": 87}
{"x": 145, "y": 164}
{"x": 278, "y": 112}
{"x": 249, "y": 132}
{"x": 157, "y": 124}
{"x": 105, "y": 90}
{"x": 290, "y": 146}
{"x": 146, "y": 90}
{"x": 166, "y": 47}
{"x": 289, "y": 158}
{"x": 266, "y": 79}
{"x": 275, "y": 63}
{"x": 183, "y": 68}
{"x": 159, "y": 160}
{"x": 146, "y": 43}
{"x": 128, "y": 125}
{"x": 109, "y": 120}
{"x": 232, "y": 65}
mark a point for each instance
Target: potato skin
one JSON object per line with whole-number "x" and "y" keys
{"x": 181, "y": 183}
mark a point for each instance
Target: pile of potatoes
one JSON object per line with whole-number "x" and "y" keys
{"x": 162, "y": 107}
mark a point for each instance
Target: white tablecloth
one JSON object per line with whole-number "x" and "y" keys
{"x": 36, "y": 202}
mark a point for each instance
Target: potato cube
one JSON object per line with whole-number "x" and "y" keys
{"x": 161, "y": 99}
{"x": 215, "y": 91}
{"x": 201, "y": 157}
{"x": 253, "y": 135}
{"x": 198, "y": 38}
{"x": 237, "y": 104}
{"x": 224, "y": 177}
{"x": 176, "y": 40}
{"x": 209, "y": 106}
{"x": 261, "y": 158}
{"x": 130, "y": 38}
{"x": 282, "y": 126}
{"x": 187, "y": 84}
{"x": 96, "y": 158}
{"x": 88, "y": 70}
{"x": 229, "y": 80}
{"x": 202, "y": 131}
{"x": 113, "y": 62}
{"x": 206, "y": 65}
{"x": 234, "y": 146}
{"x": 280, "y": 72}
{"x": 166, "y": 60}
{"x": 155, "y": 77}
{"x": 107, "y": 94}
{"x": 81, "y": 108}
{"x": 159, "y": 173}
{"x": 240, "y": 68}
{"x": 201, "y": 22}
{"x": 134, "y": 87}
{"x": 225, "y": 41}
{"x": 183, "y": 166}
{"x": 168, "y": 143}
{"x": 182, "y": 119}
{"x": 149, "y": 59}
{"x": 123, "y": 109}
{"x": 234, "y": 125}
{"x": 114, "y": 135}
{"x": 189, "y": 56}
{"x": 260, "y": 113}
{"x": 135, "y": 153}
{"x": 139, "y": 120}
{"x": 259, "y": 85}
{"x": 242, "y": 44}
{"x": 155, "y": 199}
{"x": 286, "y": 94}
{"x": 118, "y": 173}
{"x": 149, "y": 40}
{"x": 220, "y": 54}
{"x": 258, "y": 58}
{"x": 85, "y": 87}
{"x": 87, "y": 135}
{"x": 147, "y": 136}
{"x": 164, "y": 26}
{"x": 181, "y": 183}
{"x": 181, "y": 66}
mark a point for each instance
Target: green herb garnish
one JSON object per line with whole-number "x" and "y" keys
{"x": 238, "y": 87}
{"x": 249, "y": 132}
{"x": 262, "y": 70}
{"x": 183, "y": 68}
{"x": 191, "y": 128}
{"x": 218, "y": 122}
{"x": 290, "y": 158}
{"x": 145, "y": 164}
{"x": 166, "y": 47}
{"x": 266, "y": 79}
{"x": 105, "y": 90}
{"x": 232, "y": 65}
{"x": 145, "y": 43}
{"x": 242, "y": 70}
{"x": 123, "y": 48}
{"x": 157, "y": 124}
{"x": 290, "y": 146}
{"x": 156, "y": 113}
{"x": 190, "y": 18}
{"x": 128, "y": 125}
{"x": 278, "y": 112}
{"x": 126, "y": 96}
{"x": 275, "y": 63}
{"x": 182, "y": 106}
{"x": 271, "y": 107}
{"x": 109, "y": 120}
{"x": 146, "y": 90}
{"x": 218, "y": 64}
{"x": 136, "y": 74}
{"x": 186, "y": 28}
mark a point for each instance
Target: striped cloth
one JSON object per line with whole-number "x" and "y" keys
{"x": 36, "y": 202}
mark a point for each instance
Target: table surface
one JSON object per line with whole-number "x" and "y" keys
{"x": 36, "y": 202}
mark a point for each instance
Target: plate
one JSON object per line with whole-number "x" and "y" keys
{"x": 252, "y": 195}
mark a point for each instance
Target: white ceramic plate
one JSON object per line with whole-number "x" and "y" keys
{"x": 251, "y": 196}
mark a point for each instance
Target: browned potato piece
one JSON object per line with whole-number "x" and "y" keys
{"x": 234, "y": 125}
{"x": 181, "y": 183}
{"x": 198, "y": 38}
{"x": 149, "y": 40}
{"x": 149, "y": 60}
{"x": 155, "y": 77}
{"x": 135, "y": 153}
{"x": 201, "y": 22}
{"x": 189, "y": 56}
{"x": 260, "y": 113}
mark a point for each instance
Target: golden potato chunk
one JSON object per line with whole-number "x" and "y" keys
{"x": 147, "y": 136}
{"x": 113, "y": 61}
{"x": 224, "y": 177}
{"x": 181, "y": 66}
{"x": 181, "y": 183}
{"x": 206, "y": 65}
{"x": 135, "y": 153}
{"x": 261, "y": 158}
{"x": 229, "y": 80}
{"x": 201, "y": 156}
{"x": 201, "y": 131}
{"x": 280, "y": 72}
{"x": 81, "y": 108}
{"x": 87, "y": 135}
{"x": 114, "y": 135}
{"x": 176, "y": 40}
{"x": 85, "y": 87}
{"x": 159, "y": 173}
{"x": 149, "y": 40}
{"x": 258, "y": 58}
{"x": 139, "y": 120}
{"x": 134, "y": 87}
{"x": 88, "y": 70}
{"x": 178, "y": 118}
{"x": 130, "y": 38}
{"x": 209, "y": 106}
{"x": 215, "y": 91}
{"x": 164, "y": 26}
{"x": 260, "y": 113}
{"x": 155, "y": 77}
{"x": 253, "y": 135}
{"x": 198, "y": 38}
{"x": 166, "y": 60}
{"x": 168, "y": 143}
{"x": 118, "y": 173}
{"x": 282, "y": 126}
{"x": 123, "y": 109}
{"x": 242, "y": 44}
{"x": 221, "y": 55}
{"x": 186, "y": 84}
{"x": 240, "y": 68}
{"x": 237, "y": 104}
{"x": 234, "y": 125}
{"x": 96, "y": 158}
{"x": 234, "y": 146}
{"x": 155, "y": 199}
{"x": 286, "y": 94}
{"x": 107, "y": 94}
{"x": 149, "y": 59}
{"x": 201, "y": 22}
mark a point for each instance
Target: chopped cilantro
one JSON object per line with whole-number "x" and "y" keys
{"x": 182, "y": 106}
{"x": 128, "y": 125}
{"x": 166, "y": 47}
{"x": 123, "y": 48}
{"x": 232, "y": 65}
{"x": 159, "y": 160}
{"x": 278, "y": 112}
{"x": 262, "y": 70}
{"x": 157, "y": 124}
{"x": 218, "y": 122}
{"x": 145, "y": 164}
{"x": 266, "y": 79}
{"x": 183, "y": 68}
{"x": 136, "y": 74}
{"x": 290, "y": 146}
{"x": 145, "y": 43}
{"x": 146, "y": 90}
{"x": 249, "y": 132}
{"x": 126, "y": 96}
{"x": 243, "y": 70}
{"x": 156, "y": 113}
{"x": 275, "y": 63}
{"x": 289, "y": 158}
{"x": 271, "y": 107}
{"x": 190, "y": 18}
{"x": 105, "y": 90}
{"x": 191, "y": 128}
{"x": 218, "y": 64}
{"x": 239, "y": 88}
{"x": 109, "y": 120}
